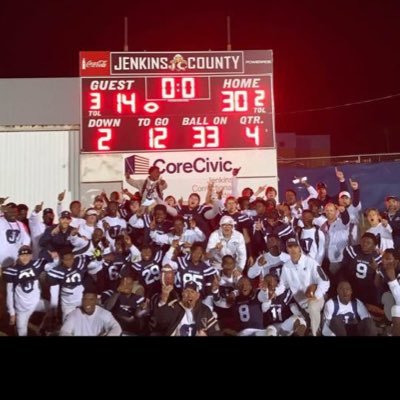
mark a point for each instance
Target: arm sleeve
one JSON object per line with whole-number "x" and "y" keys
{"x": 77, "y": 241}
{"x": 356, "y": 197}
{"x": 313, "y": 194}
{"x": 322, "y": 281}
{"x": 135, "y": 254}
{"x": 112, "y": 326}
{"x": 283, "y": 285}
{"x": 34, "y": 223}
{"x": 235, "y": 186}
{"x": 10, "y": 298}
{"x": 394, "y": 287}
{"x": 168, "y": 259}
{"x": 54, "y": 293}
{"x": 266, "y": 305}
{"x": 262, "y": 296}
{"x": 343, "y": 186}
{"x": 170, "y": 210}
{"x": 345, "y": 217}
{"x": 52, "y": 264}
{"x": 26, "y": 238}
{"x": 136, "y": 222}
{"x": 67, "y": 328}
{"x": 321, "y": 247}
{"x": 388, "y": 229}
{"x": 160, "y": 238}
{"x": 198, "y": 234}
{"x": 136, "y": 183}
{"x": 59, "y": 208}
{"x": 328, "y": 310}
{"x": 212, "y": 241}
{"x": 362, "y": 310}
{"x": 255, "y": 270}
{"x": 210, "y": 214}
{"x": 242, "y": 254}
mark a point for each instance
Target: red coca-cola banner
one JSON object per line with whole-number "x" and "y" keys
{"x": 94, "y": 63}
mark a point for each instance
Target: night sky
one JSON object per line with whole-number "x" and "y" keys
{"x": 325, "y": 52}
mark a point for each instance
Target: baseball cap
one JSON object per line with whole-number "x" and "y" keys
{"x": 292, "y": 242}
{"x": 322, "y": 185}
{"x": 191, "y": 285}
{"x": 344, "y": 193}
{"x": 24, "y": 250}
{"x": 48, "y": 211}
{"x": 227, "y": 220}
{"x": 66, "y": 214}
{"x": 90, "y": 211}
{"x": 392, "y": 197}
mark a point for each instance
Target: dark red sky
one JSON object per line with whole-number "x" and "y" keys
{"x": 325, "y": 53}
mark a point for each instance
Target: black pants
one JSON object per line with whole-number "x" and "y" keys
{"x": 366, "y": 327}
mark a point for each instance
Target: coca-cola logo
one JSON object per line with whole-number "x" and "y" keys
{"x": 94, "y": 64}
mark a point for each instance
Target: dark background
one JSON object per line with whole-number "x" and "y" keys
{"x": 325, "y": 52}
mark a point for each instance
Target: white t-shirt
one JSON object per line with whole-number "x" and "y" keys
{"x": 101, "y": 322}
{"x": 346, "y": 310}
{"x": 384, "y": 234}
{"x": 187, "y": 326}
{"x": 271, "y": 262}
{"x": 13, "y": 235}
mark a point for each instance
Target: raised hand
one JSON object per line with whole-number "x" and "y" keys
{"x": 260, "y": 190}
{"x": 55, "y": 231}
{"x": 262, "y": 260}
{"x": 106, "y": 225}
{"x": 175, "y": 243}
{"x": 339, "y": 175}
{"x": 38, "y": 208}
{"x": 219, "y": 246}
{"x": 61, "y": 195}
{"x": 236, "y": 273}
{"x": 235, "y": 171}
{"x": 259, "y": 225}
{"x": 353, "y": 184}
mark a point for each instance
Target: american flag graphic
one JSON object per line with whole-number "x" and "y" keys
{"x": 137, "y": 165}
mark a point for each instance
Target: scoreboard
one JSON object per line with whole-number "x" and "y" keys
{"x": 176, "y": 101}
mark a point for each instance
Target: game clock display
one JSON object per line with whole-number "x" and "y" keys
{"x": 151, "y": 102}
